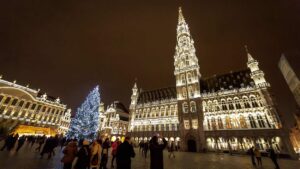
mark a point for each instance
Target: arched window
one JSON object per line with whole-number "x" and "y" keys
{"x": 183, "y": 79}
{"x": 220, "y": 123}
{"x": 253, "y": 101}
{"x": 261, "y": 122}
{"x": 204, "y": 108}
{"x": 228, "y": 122}
{"x": 185, "y": 107}
{"x": 7, "y": 100}
{"x": 252, "y": 121}
{"x": 157, "y": 112}
{"x": 224, "y": 107}
{"x": 193, "y": 107}
{"x": 1, "y": 97}
{"x": 243, "y": 123}
{"x": 213, "y": 123}
{"x": 191, "y": 91}
{"x": 216, "y": 106}
{"x": 187, "y": 61}
{"x": 189, "y": 77}
{"x": 208, "y": 124}
{"x": 246, "y": 102}
{"x": 162, "y": 111}
{"x": 184, "y": 94}
{"x": 229, "y": 101}
{"x": 237, "y": 103}
{"x": 172, "y": 110}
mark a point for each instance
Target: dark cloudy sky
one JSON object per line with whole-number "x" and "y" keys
{"x": 67, "y": 47}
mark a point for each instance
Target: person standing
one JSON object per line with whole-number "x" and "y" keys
{"x": 273, "y": 157}
{"x": 258, "y": 157}
{"x": 124, "y": 154}
{"x": 83, "y": 161}
{"x": 114, "y": 147}
{"x": 156, "y": 153}
{"x": 146, "y": 147}
{"x": 70, "y": 152}
{"x": 7, "y": 142}
{"x": 171, "y": 150}
{"x": 21, "y": 141}
{"x": 251, "y": 152}
{"x": 95, "y": 154}
{"x": 104, "y": 154}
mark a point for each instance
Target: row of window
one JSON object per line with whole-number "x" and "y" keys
{"x": 187, "y": 124}
{"x": 28, "y": 114}
{"x": 240, "y": 122}
{"x": 9, "y": 101}
{"x": 230, "y": 104}
{"x": 186, "y": 107}
{"x": 156, "y": 112}
{"x": 158, "y": 127}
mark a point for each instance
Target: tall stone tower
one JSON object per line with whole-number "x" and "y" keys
{"x": 133, "y": 103}
{"x": 188, "y": 88}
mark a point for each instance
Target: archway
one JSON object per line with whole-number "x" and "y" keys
{"x": 191, "y": 144}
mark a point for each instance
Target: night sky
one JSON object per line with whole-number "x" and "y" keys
{"x": 65, "y": 48}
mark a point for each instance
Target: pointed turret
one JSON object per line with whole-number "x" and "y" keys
{"x": 134, "y": 96}
{"x": 257, "y": 75}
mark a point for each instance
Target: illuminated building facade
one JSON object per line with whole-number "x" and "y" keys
{"x": 227, "y": 112}
{"x": 114, "y": 121}
{"x": 293, "y": 82}
{"x": 27, "y": 111}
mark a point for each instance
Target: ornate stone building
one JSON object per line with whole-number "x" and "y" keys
{"x": 227, "y": 112}
{"x": 27, "y": 111}
{"x": 114, "y": 121}
{"x": 291, "y": 78}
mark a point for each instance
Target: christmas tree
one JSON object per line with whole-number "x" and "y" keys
{"x": 85, "y": 124}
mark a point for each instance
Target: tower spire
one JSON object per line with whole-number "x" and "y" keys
{"x": 250, "y": 58}
{"x": 180, "y": 16}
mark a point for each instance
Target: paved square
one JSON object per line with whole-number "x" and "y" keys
{"x": 26, "y": 158}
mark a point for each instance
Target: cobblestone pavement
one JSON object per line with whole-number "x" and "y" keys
{"x": 26, "y": 158}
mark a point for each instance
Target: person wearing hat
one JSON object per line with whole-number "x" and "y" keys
{"x": 83, "y": 161}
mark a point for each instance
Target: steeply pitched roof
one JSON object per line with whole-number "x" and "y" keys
{"x": 226, "y": 81}
{"x": 157, "y": 95}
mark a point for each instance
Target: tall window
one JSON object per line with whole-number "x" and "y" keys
{"x": 246, "y": 102}
{"x": 184, "y": 93}
{"x": 189, "y": 77}
{"x": 186, "y": 124}
{"x": 237, "y": 103}
{"x": 183, "y": 79}
{"x": 191, "y": 91}
{"x": 220, "y": 123}
{"x": 243, "y": 122}
{"x": 230, "y": 104}
{"x": 195, "y": 124}
{"x": 7, "y": 100}
{"x": 208, "y": 124}
{"x": 224, "y": 107}
{"x": 253, "y": 101}
{"x": 193, "y": 107}
{"x": 1, "y": 97}
{"x": 252, "y": 121}
{"x": 228, "y": 122}
{"x": 261, "y": 122}
{"x": 213, "y": 123}
{"x": 14, "y": 102}
{"x": 185, "y": 107}
{"x": 172, "y": 110}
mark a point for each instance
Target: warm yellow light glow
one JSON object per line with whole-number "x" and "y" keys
{"x": 32, "y": 130}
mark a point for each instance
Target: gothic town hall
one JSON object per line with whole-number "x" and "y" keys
{"x": 227, "y": 112}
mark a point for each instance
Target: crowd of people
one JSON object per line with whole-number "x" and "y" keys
{"x": 256, "y": 154}
{"x": 83, "y": 154}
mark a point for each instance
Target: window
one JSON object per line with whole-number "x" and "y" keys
{"x": 246, "y": 103}
{"x": 195, "y": 124}
{"x": 187, "y": 61}
{"x": 220, "y": 123}
{"x": 191, "y": 91}
{"x": 33, "y": 106}
{"x": 228, "y": 122}
{"x": 187, "y": 124}
{"x": 193, "y": 107}
{"x": 184, "y": 94}
{"x": 7, "y": 100}
{"x": 243, "y": 123}
{"x": 1, "y": 97}
{"x": 189, "y": 77}
{"x": 224, "y": 107}
{"x": 261, "y": 122}
{"x": 252, "y": 121}
{"x": 230, "y": 104}
{"x": 14, "y": 102}
{"x": 185, "y": 107}
{"x": 213, "y": 123}
{"x": 21, "y": 103}
{"x": 237, "y": 103}
{"x": 27, "y": 105}
{"x": 253, "y": 102}
{"x": 183, "y": 79}
{"x": 208, "y": 124}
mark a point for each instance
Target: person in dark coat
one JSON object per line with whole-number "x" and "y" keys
{"x": 104, "y": 154}
{"x": 124, "y": 154}
{"x": 273, "y": 157}
{"x": 251, "y": 152}
{"x": 21, "y": 141}
{"x": 146, "y": 147}
{"x": 84, "y": 154}
{"x": 48, "y": 147}
{"x": 156, "y": 153}
{"x": 7, "y": 142}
